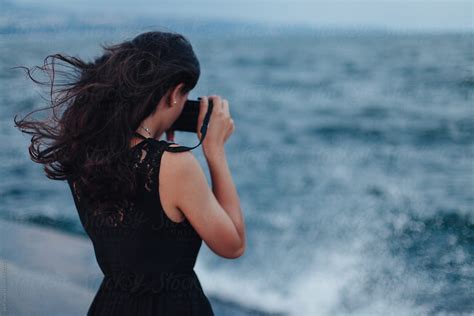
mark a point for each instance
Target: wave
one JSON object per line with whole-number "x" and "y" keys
{"x": 441, "y": 249}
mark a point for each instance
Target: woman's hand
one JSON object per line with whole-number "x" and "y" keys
{"x": 220, "y": 127}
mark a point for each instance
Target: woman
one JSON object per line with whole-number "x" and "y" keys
{"x": 145, "y": 208}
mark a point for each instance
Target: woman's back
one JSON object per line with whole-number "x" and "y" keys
{"x": 147, "y": 258}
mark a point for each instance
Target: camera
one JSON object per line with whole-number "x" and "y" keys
{"x": 188, "y": 119}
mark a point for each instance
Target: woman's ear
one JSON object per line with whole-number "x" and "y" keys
{"x": 176, "y": 94}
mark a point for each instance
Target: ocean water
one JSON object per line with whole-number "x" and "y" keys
{"x": 352, "y": 156}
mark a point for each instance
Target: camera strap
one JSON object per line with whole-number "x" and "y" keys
{"x": 205, "y": 123}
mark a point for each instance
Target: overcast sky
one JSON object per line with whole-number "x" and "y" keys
{"x": 395, "y": 14}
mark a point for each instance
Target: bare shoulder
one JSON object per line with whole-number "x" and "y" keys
{"x": 180, "y": 166}
{"x": 184, "y": 176}
{"x": 175, "y": 169}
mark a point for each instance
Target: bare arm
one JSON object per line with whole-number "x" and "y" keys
{"x": 224, "y": 190}
{"x": 213, "y": 221}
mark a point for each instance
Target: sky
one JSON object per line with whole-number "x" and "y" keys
{"x": 392, "y": 14}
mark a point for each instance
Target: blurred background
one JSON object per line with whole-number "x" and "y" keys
{"x": 352, "y": 154}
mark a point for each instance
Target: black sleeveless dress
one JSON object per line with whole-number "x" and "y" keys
{"x": 146, "y": 258}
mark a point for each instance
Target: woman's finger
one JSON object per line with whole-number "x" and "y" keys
{"x": 225, "y": 107}
{"x": 217, "y": 101}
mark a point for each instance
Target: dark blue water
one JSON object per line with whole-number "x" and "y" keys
{"x": 352, "y": 155}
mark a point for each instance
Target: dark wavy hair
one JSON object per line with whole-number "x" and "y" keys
{"x": 94, "y": 115}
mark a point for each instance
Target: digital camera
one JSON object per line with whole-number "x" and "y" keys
{"x": 188, "y": 119}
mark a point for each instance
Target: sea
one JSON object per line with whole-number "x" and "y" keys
{"x": 352, "y": 156}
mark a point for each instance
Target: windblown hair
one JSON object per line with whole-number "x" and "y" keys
{"x": 94, "y": 115}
